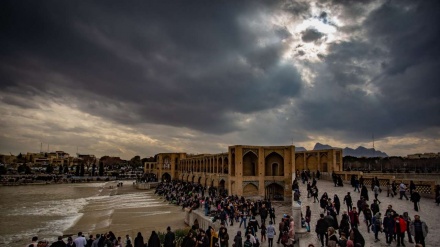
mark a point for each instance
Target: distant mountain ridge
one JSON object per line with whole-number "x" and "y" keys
{"x": 358, "y": 152}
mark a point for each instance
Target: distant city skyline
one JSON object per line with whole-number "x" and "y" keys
{"x": 125, "y": 79}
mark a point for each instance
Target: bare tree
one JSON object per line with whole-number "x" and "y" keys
{"x": 88, "y": 162}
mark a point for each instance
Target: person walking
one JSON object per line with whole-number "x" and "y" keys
{"x": 243, "y": 215}
{"x": 291, "y": 240}
{"x": 419, "y": 230}
{"x": 337, "y": 204}
{"x": 270, "y": 234}
{"x": 361, "y": 181}
{"x": 224, "y": 237}
{"x": 309, "y": 189}
{"x": 348, "y": 201}
{"x": 263, "y": 214}
{"x": 376, "y": 191}
{"x": 368, "y": 217}
{"x": 388, "y": 227}
{"x": 272, "y": 214}
{"x": 364, "y": 192}
{"x": 238, "y": 240}
{"x": 437, "y": 194}
{"x": 344, "y": 225}
{"x": 280, "y": 228}
{"x": 389, "y": 190}
{"x": 248, "y": 242}
{"x": 207, "y": 206}
{"x": 412, "y": 187}
{"x": 308, "y": 218}
{"x": 214, "y": 237}
{"x": 321, "y": 230}
{"x": 415, "y": 198}
{"x": 373, "y": 182}
{"x": 254, "y": 224}
{"x": 356, "y": 184}
{"x": 402, "y": 191}
{"x": 408, "y": 222}
{"x": 315, "y": 193}
{"x": 263, "y": 232}
{"x": 400, "y": 229}
{"x": 394, "y": 187}
{"x": 335, "y": 178}
{"x": 332, "y": 239}
{"x": 377, "y": 225}
{"x": 374, "y": 207}
{"x": 357, "y": 237}
{"x": 354, "y": 218}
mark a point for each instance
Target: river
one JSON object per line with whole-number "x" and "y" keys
{"x": 48, "y": 211}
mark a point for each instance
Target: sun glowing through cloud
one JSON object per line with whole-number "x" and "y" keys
{"x": 311, "y": 33}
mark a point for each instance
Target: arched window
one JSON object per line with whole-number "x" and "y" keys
{"x": 250, "y": 164}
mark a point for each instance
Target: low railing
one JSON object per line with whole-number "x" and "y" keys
{"x": 199, "y": 215}
{"x": 146, "y": 186}
{"x": 425, "y": 187}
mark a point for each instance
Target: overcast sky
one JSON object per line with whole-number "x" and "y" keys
{"x": 125, "y": 78}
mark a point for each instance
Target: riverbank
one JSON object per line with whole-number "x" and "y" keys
{"x": 16, "y": 180}
{"x": 126, "y": 210}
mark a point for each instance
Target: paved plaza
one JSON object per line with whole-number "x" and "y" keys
{"x": 429, "y": 213}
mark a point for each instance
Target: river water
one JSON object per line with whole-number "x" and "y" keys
{"x": 48, "y": 211}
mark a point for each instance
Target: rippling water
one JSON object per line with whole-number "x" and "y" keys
{"x": 47, "y": 211}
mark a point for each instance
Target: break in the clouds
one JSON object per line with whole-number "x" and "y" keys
{"x": 126, "y": 78}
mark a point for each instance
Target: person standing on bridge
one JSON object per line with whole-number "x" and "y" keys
{"x": 412, "y": 187}
{"x": 374, "y": 207}
{"x": 337, "y": 204}
{"x": 244, "y": 214}
{"x": 408, "y": 222}
{"x": 389, "y": 190}
{"x": 364, "y": 192}
{"x": 419, "y": 230}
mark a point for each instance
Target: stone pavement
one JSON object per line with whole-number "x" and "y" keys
{"x": 429, "y": 213}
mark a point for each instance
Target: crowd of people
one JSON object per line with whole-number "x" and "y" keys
{"x": 335, "y": 226}
{"x": 395, "y": 226}
{"x": 109, "y": 240}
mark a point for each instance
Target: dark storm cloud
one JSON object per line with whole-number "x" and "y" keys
{"x": 323, "y": 17}
{"x": 311, "y": 35}
{"x": 221, "y": 67}
{"x": 18, "y": 101}
{"x": 185, "y": 64}
{"x": 282, "y": 32}
{"x": 297, "y": 8}
{"x": 399, "y": 62}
